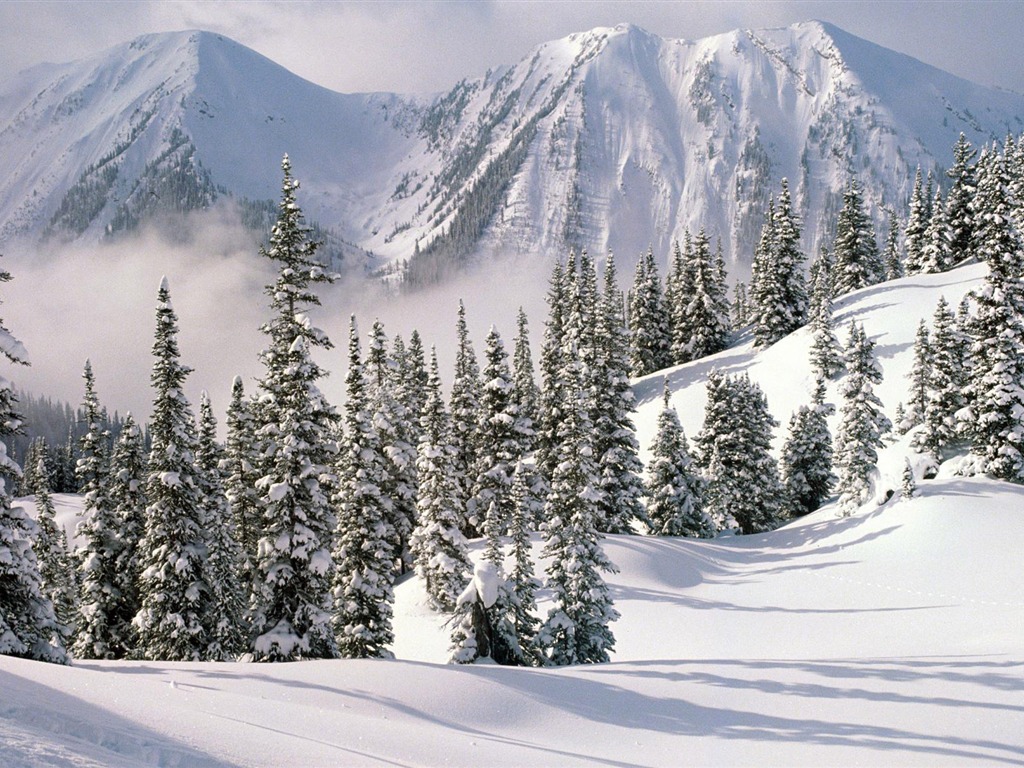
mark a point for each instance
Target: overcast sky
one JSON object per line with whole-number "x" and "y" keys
{"x": 421, "y": 45}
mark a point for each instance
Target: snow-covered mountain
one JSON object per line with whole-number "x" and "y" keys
{"x": 612, "y": 138}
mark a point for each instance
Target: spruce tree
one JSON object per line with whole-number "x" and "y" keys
{"x": 920, "y": 377}
{"x": 949, "y": 378}
{"x": 391, "y": 422}
{"x": 615, "y": 445}
{"x": 465, "y": 409}
{"x": 295, "y": 428}
{"x": 551, "y": 399}
{"x": 734, "y": 450}
{"x": 363, "y": 553}
{"x": 240, "y": 468}
{"x": 56, "y": 568}
{"x": 891, "y": 255}
{"x": 650, "y": 340}
{"x": 525, "y": 394}
{"x": 577, "y": 628}
{"x": 100, "y": 634}
{"x": 740, "y": 316}
{"x": 127, "y": 494}
{"x": 862, "y": 423}
{"x": 857, "y": 261}
{"x": 226, "y": 631}
{"x": 806, "y": 462}
{"x": 438, "y": 546}
{"x": 674, "y": 490}
{"x": 960, "y": 203}
{"x": 28, "y": 627}
{"x": 707, "y": 313}
{"x": 994, "y": 419}
{"x": 175, "y": 595}
{"x": 936, "y": 253}
{"x": 781, "y": 302}
{"x": 412, "y": 389}
{"x": 524, "y": 583}
{"x": 917, "y": 225}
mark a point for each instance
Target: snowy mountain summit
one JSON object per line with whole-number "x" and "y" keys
{"x": 612, "y": 138}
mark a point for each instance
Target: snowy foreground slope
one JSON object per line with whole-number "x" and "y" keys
{"x": 890, "y": 637}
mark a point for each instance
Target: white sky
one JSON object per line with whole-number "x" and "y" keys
{"x": 428, "y": 45}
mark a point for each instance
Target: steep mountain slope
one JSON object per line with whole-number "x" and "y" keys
{"x": 612, "y": 138}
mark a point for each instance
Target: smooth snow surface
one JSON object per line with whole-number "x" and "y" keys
{"x": 891, "y": 637}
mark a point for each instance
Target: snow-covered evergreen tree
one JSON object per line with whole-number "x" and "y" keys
{"x": 650, "y": 339}
{"x": 464, "y": 405}
{"x": 412, "y": 387}
{"x": 960, "y": 202}
{"x": 740, "y": 311}
{"x": 240, "y": 469}
{"x": 948, "y": 379}
{"x": 734, "y": 448}
{"x": 891, "y": 255}
{"x": 862, "y": 423}
{"x": 551, "y": 399}
{"x": 175, "y": 595}
{"x": 100, "y": 634}
{"x": 908, "y": 487}
{"x": 525, "y": 394}
{"x": 936, "y": 253}
{"x": 391, "y": 422}
{"x": 28, "y": 627}
{"x": 615, "y": 445}
{"x": 577, "y": 626}
{"x": 857, "y": 261}
{"x": 920, "y": 377}
{"x": 438, "y": 546}
{"x": 127, "y": 495}
{"x": 226, "y": 631}
{"x": 994, "y": 419}
{"x": 675, "y": 506}
{"x": 56, "y": 567}
{"x": 363, "y": 552}
{"x": 917, "y": 225}
{"x": 781, "y": 301}
{"x": 291, "y": 602}
{"x": 707, "y": 311}
{"x": 524, "y": 582}
{"x": 806, "y": 462}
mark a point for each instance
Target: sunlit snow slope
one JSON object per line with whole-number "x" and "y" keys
{"x": 892, "y": 637}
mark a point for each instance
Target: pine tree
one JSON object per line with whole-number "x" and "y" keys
{"x": 615, "y": 445}
{"x": 524, "y": 583}
{"x": 100, "y": 634}
{"x": 826, "y": 356}
{"x": 650, "y": 339}
{"x": 857, "y": 262}
{"x": 465, "y": 408}
{"x": 437, "y": 542}
{"x": 551, "y": 398}
{"x": 740, "y": 312}
{"x": 781, "y": 302}
{"x": 949, "y": 378}
{"x": 28, "y": 627}
{"x": 295, "y": 427}
{"x": 806, "y": 462}
{"x": 525, "y": 394}
{"x": 862, "y": 423}
{"x": 821, "y": 283}
{"x": 908, "y": 487}
{"x": 917, "y": 225}
{"x": 960, "y": 202}
{"x": 412, "y": 390}
{"x": 920, "y": 377}
{"x": 56, "y": 568}
{"x": 734, "y": 450}
{"x": 363, "y": 553}
{"x": 761, "y": 278}
{"x": 707, "y": 313}
{"x": 226, "y": 632}
{"x": 891, "y": 256}
{"x": 674, "y": 490}
{"x": 175, "y": 596}
{"x": 577, "y": 626}
{"x": 391, "y": 422}
{"x": 936, "y": 253}
{"x": 994, "y": 419}
{"x": 127, "y": 495}
{"x": 240, "y": 468}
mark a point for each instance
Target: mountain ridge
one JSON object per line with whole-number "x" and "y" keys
{"x": 610, "y": 139}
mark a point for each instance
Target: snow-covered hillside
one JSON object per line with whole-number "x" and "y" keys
{"x": 612, "y": 138}
{"x": 892, "y": 636}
